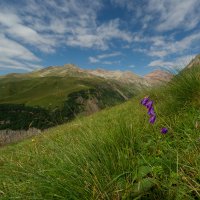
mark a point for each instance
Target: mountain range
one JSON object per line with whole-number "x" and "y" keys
{"x": 74, "y": 71}
{"x": 49, "y": 86}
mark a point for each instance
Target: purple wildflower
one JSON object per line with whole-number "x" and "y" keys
{"x": 164, "y": 130}
{"x": 151, "y": 111}
{"x": 144, "y": 101}
{"x": 152, "y": 119}
{"x": 149, "y": 104}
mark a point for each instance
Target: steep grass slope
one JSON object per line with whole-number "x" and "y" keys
{"x": 46, "y": 92}
{"x": 114, "y": 154}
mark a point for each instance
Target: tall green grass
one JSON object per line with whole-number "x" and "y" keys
{"x": 114, "y": 154}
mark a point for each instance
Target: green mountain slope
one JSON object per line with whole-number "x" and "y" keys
{"x": 57, "y": 94}
{"x": 44, "y": 92}
{"x": 115, "y": 153}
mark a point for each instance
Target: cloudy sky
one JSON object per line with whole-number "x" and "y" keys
{"x": 135, "y": 35}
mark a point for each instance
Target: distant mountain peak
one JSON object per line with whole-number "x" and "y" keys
{"x": 71, "y": 66}
{"x": 158, "y": 76}
{"x": 158, "y": 71}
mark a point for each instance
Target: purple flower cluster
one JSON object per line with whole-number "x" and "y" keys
{"x": 149, "y": 105}
{"x": 164, "y": 130}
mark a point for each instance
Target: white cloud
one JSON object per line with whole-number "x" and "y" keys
{"x": 132, "y": 66}
{"x": 52, "y": 24}
{"x": 172, "y": 46}
{"x": 93, "y": 59}
{"x": 76, "y": 23}
{"x": 114, "y": 54}
{"x": 174, "y": 14}
{"x": 7, "y": 63}
{"x": 165, "y": 46}
{"x": 100, "y": 58}
{"x": 14, "y": 55}
{"x": 99, "y": 37}
{"x": 176, "y": 64}
{"x": 33, "y": 26}
{"x": 157, "y": 53}
{"x": 23, "y": 33}
{"x": 182, "y": 61}
{"x": 11, "y": 49}
{"x": 160, "y": 63}
{"x": 185, "y": 43}
{"x": 116, "y": 62}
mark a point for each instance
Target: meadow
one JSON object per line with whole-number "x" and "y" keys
{"x": 115, "y": 153}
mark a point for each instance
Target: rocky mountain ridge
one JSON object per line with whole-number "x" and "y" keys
{"x": 158, "y": 76}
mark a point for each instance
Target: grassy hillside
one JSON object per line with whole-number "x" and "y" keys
{"x": 45, "y": 92}
{"x": 49, "y": 92}
{"x": 50, "y": 87}
{"x": 26, "y": 101}
{"x": 116, "y": 153}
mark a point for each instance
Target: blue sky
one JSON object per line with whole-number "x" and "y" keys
{"x": 135, "y": 35}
